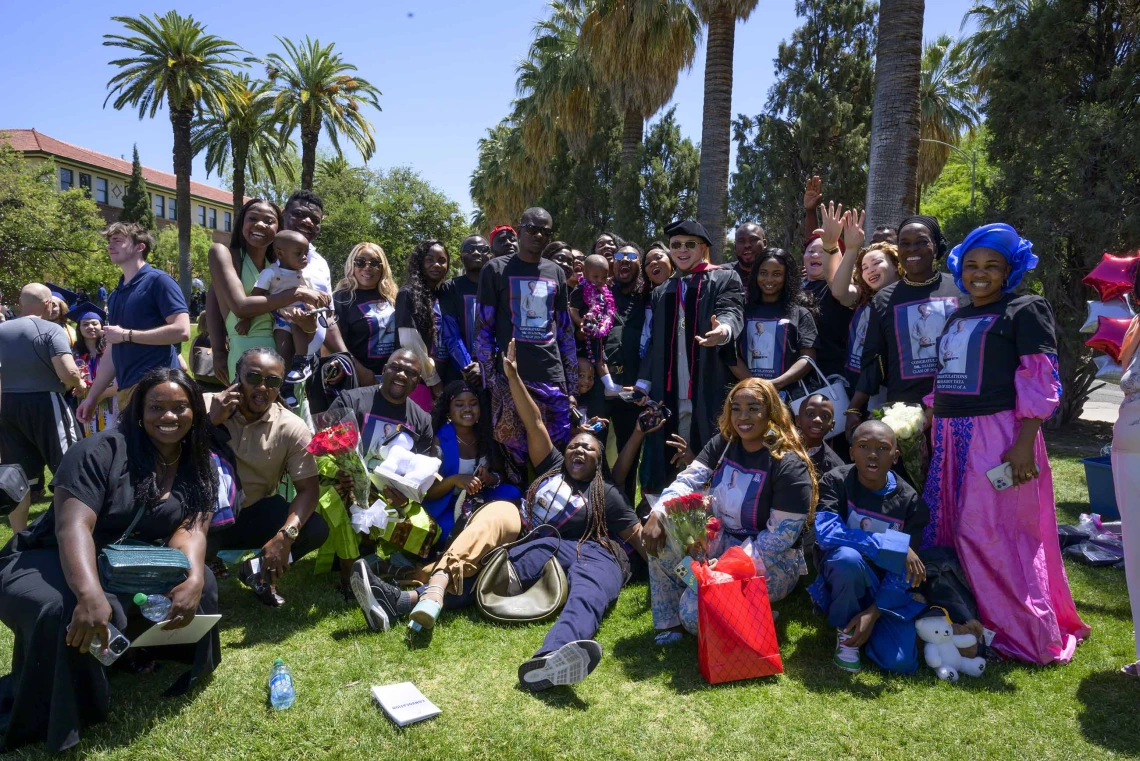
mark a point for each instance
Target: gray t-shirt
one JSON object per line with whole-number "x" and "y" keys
{"x": 27, "y": 346}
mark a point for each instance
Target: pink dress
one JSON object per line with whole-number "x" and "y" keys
{"x": 1006, "y": 540}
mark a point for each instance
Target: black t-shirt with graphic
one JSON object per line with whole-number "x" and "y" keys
{"x": 526, "y": 298}
{"x": 367, "y": 323}
{"x": 561, "y": 502}
{"x": 773, "y": 338}
{"x": 856, "y": 338}
{"x": 832, "y": 326}
{"x": 378, "y": 419}
{"x": 825, "y": 460}
{"x": 457, "y": 298}
{"x": 901, "y": 510}
{"x": 902, "y": 338}
{"x": 755, "y": 483}
{"x": 980, "y": 350}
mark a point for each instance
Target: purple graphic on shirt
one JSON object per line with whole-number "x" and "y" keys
{"x": 961, "y": 355}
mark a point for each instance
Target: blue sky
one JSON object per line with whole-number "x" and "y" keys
{"x": 446, "y": 69}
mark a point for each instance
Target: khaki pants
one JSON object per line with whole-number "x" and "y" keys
{"x": 490, "y": 527}
{"x": 123, "y": 398}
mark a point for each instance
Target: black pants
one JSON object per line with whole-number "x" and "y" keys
{"x": 259, "y": 522}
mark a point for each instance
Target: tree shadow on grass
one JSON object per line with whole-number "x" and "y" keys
{"x": 557, "y": 697}
{"x": 1109, "y": 716}
{"x": 308, "y": 601}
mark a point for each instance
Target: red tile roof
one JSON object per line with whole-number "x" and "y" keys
{"x": 29, "y": 140}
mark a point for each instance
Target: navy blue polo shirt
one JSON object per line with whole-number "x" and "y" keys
{"x": 143, "y": 304}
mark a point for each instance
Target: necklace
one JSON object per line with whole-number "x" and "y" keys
{"x": 166, "y": 464}
{"x": 910, "y": 282}
{"x": 461, "y": 441}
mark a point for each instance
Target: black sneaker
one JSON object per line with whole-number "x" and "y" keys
{"x": 377, "y": 599}
{"x": 569, "y": 664}
{"x": 301, "y": 369}
{"x": 289, "y": 395}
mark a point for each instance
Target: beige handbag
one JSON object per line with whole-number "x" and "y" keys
{"x": 543, "y": 601}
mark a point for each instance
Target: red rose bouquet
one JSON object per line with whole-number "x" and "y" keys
{"x": 688, "y": 522}
{"x": 338, "y": 439}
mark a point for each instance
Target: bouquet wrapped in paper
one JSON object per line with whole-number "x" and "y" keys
{"x": 406, "y": 472}
{"x": 909, "y": 424}
{"x": 338, "y": 439}
{"x": 688, "y": 522}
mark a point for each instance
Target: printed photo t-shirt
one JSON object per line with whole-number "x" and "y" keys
{"x": 367, "y": 323}
{"x": 773, "y": 339}
{"x": 747, "y": 486}
{"x": 900, "y": 510}
{"x": 561, "y": 502}
{"x": 834, "y": 320}
{"x": 980, "y": 350}
{"x": 526, "y": 298}
{"x": 457, "y": 298}
{"x": 378, "y": 419}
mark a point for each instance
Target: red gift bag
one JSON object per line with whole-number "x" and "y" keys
{"x": 736, "y": 638}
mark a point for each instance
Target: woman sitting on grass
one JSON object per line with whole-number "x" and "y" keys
{"x": 761, "y": 486}
{"x": 150, "y": 479}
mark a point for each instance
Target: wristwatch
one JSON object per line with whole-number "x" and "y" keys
{"x": 291, "y": 533}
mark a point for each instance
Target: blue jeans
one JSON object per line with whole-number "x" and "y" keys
{"x": 852, "y": 583}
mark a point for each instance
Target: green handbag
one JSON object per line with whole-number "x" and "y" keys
{"x": 139, "y": 567}
{"x": 543, "y": 601}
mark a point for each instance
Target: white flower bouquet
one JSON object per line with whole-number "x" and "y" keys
{"x": 908, "y": 421}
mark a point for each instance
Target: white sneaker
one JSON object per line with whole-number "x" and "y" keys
{"x": 569, "y": 664}
{"x": 846, "y": 658}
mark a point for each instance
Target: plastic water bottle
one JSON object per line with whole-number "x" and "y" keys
{"x": 154, "y": 607}
{"x": 281, "y": 693}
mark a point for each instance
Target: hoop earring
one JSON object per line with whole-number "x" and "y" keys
{"x": 140, "y": 424}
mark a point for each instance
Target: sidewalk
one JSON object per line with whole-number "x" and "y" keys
{"x": 1103, "y": 404}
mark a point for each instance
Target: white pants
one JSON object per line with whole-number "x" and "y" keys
{"x": 1126, "y": 480}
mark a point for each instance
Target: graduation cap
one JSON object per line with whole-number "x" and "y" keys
{"x": 689, "y": 227}
{"x": 61, "y": 293}
{"x": 85, "y": 310}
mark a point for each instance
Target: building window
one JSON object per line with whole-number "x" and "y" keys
{"x": 159, "y": 205}
{"x": 173, "y": 208}
{"x": 66, "y": 179}
{"x": 213, "y": 219}
{"x": 202, "y": 216}
{"x": 227, "y": 220}
{"x": 85, "y": 183}
{"x": 100, "y": 190}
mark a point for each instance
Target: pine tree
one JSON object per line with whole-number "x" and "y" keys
{"x": 136, "y": 201}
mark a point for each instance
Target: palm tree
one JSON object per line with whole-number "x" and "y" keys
{"x": 716, "y": 125}
{"x": 245, "y": 132}
{"x": 315, "y": 88}
{"x": 507, "y": 177}
{"x": 175, "y": 63}
{"x": 992, "y": 19}
{"x": 892, "y": 177}
{"x": 948, "y": 102}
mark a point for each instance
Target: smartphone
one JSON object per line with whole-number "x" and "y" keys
{"x": 632, "y": 397}
{"x": 577, "y": 418}
{"x": 1001, "y": 476}
{"x": 684, "y": 572}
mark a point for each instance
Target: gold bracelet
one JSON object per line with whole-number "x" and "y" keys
{"x": 851, "y": 410}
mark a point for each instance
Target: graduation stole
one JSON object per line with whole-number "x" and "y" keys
{"x": 699, "y": 268}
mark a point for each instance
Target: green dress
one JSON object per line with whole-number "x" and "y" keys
{"x": 260, "y": 327}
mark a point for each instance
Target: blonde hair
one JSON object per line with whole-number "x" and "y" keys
{"x": 386, "y": 286}
{"x": 782, "y": 436}
{"x": 136, "y": 232}
{"x": 889, "y": 250}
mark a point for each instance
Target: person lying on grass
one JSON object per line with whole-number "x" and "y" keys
{"x": 867, "y": 525}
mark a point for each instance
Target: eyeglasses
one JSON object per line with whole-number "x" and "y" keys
{"x": 255, "y": 379}
{"x": 536, "y": 230}
{"x": 677, "y": 245}
{"x": 476, "y": 249}
{"x": 368, "y": 264}
{"x": 621, "y": 256}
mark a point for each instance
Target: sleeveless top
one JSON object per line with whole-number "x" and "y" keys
{"x": 260, "y": 328}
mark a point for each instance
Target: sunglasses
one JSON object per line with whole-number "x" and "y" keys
{"x": 255, "y": 379}
{"x": 622, "y": 256}
{"x": 677, "y": 245}
{"x": 536, "y": 230}
{"x": 476, "y": 249}
{"x": 368, "y": 264}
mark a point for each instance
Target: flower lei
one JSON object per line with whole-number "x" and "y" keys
{"x": 599, "y": 318}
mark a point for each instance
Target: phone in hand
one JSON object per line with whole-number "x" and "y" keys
{"x": 1001, "y": 476}
{"x": 632, "y": 397}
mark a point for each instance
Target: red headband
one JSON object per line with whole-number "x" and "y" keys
{"x": 500, "y": 229}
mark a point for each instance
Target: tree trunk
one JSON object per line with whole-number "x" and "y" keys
{"x": 892, "y": 178}
{"x": 631, "y": 135}
{"x": 627, "y": 195}
{"x": 183, "y": 156}
{"x": 716, "y": 126}
{"x": 240, "y": 157}
{"x": 309, "y": 137}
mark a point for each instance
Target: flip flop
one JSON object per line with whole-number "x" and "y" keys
{"x": 668, "y": 638}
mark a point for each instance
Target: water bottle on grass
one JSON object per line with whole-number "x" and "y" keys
{"x": 153, "y": 607}
{"x": 281, "y": 693}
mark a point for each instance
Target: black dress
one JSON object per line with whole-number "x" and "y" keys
{"x": 54, "y": 691}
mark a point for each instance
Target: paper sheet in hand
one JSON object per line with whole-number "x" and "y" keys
{"x": 157, "y": 636}
{"x": 404, "y": 704}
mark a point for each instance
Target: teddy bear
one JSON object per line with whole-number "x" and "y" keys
{"x": 941, "y": 648}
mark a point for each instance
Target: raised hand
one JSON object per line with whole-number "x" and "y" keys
{"x": 684, "y": 456}
{"x": 813, "y": 192}
{"x": 717, "y": 335}
{"x": 831, "y": 219}
{"x": 510, "y": 363}
{"x": 853, "y": 229}
{"x": 223, "y": 404}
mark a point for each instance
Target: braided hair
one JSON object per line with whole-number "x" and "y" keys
{"x": 596, "y": 528}
{"x": 421, "y": 293}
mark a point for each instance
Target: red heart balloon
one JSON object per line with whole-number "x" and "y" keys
{"x": 1109, "y": 336}
{"x": 1114, "y": 276}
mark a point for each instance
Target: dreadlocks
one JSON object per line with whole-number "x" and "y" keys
{"x": 421, "y": 293}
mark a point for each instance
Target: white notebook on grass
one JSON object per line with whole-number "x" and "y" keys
{"x": 404, "y": 704}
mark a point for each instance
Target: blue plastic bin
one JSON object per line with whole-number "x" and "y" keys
{"x": 1102, "y": 493}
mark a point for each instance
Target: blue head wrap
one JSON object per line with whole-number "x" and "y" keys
{"x": 1003, "y": 239}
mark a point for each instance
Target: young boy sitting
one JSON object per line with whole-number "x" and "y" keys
{"x": 815, "y": 420}
{"x": 867, "y": 524}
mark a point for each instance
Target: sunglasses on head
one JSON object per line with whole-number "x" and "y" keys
{"x": 255, "y": 379}
{"x": 476, "y": 249}
{"x": 621, "y": 256}
{"x": 368, "y": 264}
{"x": 677, "y": 245}
{"x": 537, "y": 229}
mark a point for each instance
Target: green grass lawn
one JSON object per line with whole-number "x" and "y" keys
{"x": 642, "y": 702}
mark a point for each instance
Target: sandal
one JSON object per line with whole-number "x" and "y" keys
{"x": 425, "y": 613}
{"x": 669, "y": 637}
